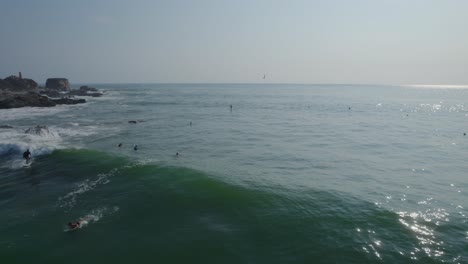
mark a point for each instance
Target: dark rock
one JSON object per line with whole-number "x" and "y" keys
{"x": 88, "y": 89}
{"x": 84, "y": 93}
{"x": 21, "y": 83}
{"x": 15, "y": 100}
{"x": 69, "y": 101}
{"x": 60, "y": 84}
{"x": 5, "y": 126}
{"x": 4, "y": 85}
{"x": 51, "y": 93}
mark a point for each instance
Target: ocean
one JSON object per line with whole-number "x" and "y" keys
{"x": 289, "y": 174}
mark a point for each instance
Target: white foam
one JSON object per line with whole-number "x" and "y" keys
{"x": 69, "y": 200}
{"x": 28, "y": 112}
{"x": 13, "y": 142}
{"x": 437, "y": 86}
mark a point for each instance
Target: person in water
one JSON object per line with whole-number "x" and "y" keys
{"x": 27, "y": 156}
{"x": 135, "y": 147}
{"x": 120, "y": 145}
{"x": 74, "y": 225}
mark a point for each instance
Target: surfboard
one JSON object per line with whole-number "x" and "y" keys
{"x": 27, "y": 164}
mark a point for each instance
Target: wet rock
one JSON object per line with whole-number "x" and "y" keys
{"x": 86, "y": 91}
{"x": 51, "y": 93}
{"x": 69, "y": 101}
{"x": 15, "y": 100}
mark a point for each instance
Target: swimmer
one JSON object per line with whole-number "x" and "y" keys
{"x": 120, "y": 145}
{"x": 177, "y": 154}
{"x": 135, "y": 147}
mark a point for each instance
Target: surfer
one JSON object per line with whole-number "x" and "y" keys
{"x": 231, "y": 108}
{"x": 74, "y": 225}
{"x": 120, "y": 145}
{"x": 27, "y": 156}
{"x": 135, "y": 147}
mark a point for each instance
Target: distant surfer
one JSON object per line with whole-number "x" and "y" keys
{"x": 27, "y": 156}
{"x": 120, "y": 145}
{"x": 177, "y": 154}
{"x": 135, "y": 147}
{"x": 231, "y": 108}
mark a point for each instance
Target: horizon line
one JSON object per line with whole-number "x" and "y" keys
{"x": 416, "y": 85}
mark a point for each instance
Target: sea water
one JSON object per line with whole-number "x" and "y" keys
{"x": 289, "y": 174}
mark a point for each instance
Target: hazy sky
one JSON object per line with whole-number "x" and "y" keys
{"x": 328, "y": 41}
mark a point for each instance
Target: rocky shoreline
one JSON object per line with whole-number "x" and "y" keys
{"x": 18, "y": 92}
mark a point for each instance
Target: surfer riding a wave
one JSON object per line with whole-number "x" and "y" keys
{"x": 27, "y": 156}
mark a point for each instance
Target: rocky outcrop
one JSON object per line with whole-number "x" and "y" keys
{"x": 86, "y": 91}
{"x": 4, "y": 85}
{"x": 59, "y": 84}
{"x": 69, "y": 101}
{"x": 15, "y": 100}
{"x": 20, "y": 92}
{"x": 17, "y": 84}
{"x": 51, "y": 93}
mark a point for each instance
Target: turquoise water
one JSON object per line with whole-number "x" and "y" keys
{"x": 292, "y": 174}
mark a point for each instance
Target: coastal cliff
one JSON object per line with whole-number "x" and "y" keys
{"x": 21, "y": 92}
{"x": 60, "y": 84}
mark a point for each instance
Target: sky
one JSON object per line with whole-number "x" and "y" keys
{"x": 236, "y": 41}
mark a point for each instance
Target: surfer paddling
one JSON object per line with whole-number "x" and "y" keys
{"x": 73, "y": 226}
{"x": 81, "y": 222}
